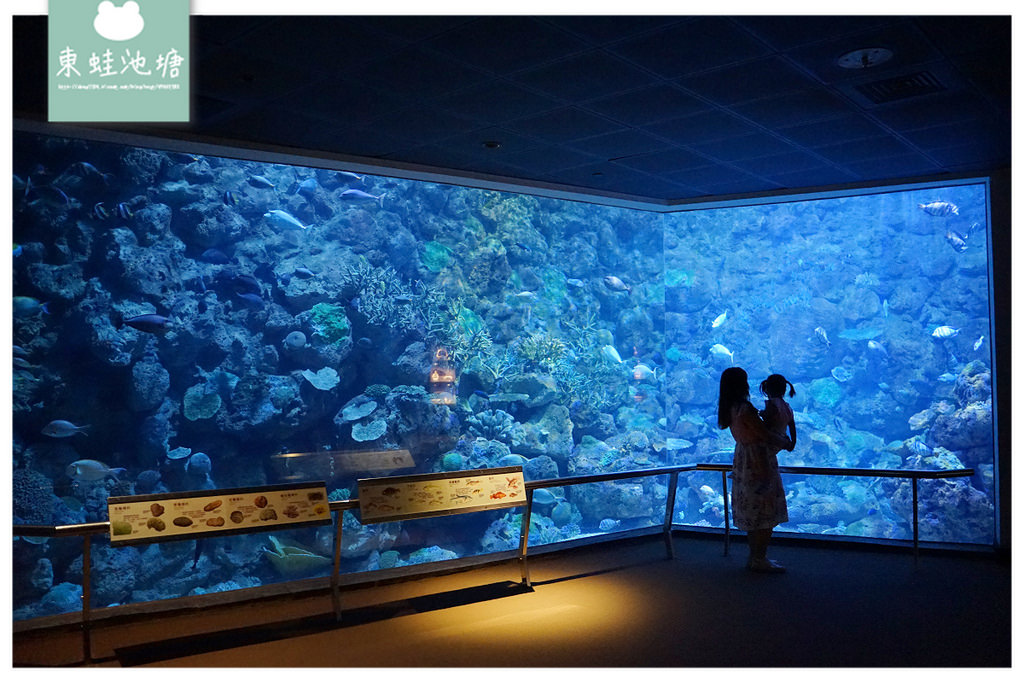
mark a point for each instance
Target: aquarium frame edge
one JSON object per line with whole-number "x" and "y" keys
{"x": 189, "y": 143}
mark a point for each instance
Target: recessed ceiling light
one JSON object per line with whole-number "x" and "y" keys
{"x": 865, "y": 58}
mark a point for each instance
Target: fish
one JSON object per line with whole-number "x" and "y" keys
{"x": 349, "y": 175}
{"x": 717, "y": 322}
{"x": 22, "y": 363}
{"x": 18, "y": 249}
{"x": 823, "y": 336}
{"x": 841, "y": 374}
{"x": 877, "y": 346}
{"x": 251, "y": 298}
{"x": 124, "y": 211}
{"x": 61, "y": 429}
{"x": 975, "y": 227}
{"x": 25, "y": 306}
{"x": 608, "y": 351}
{"x": 230, "y": 198}
{"x": 92, "y": 470}
{"x": 607, "y": 524}
{"x": 544, "y": 497}
{"x": 641, "y": 372}
{"x": 940, "y": 208}
{"x": 885, "y": 308}
{"x": 919, "y": 447}
{"x": 947, "y": 377}
{"x": 100, "y": 211}
{"x": 282, "y": 220}
{"x": 721, "y": 353}
{"x": 19, "y": 351}
{"x": 839, "y": 424}
{"x": 615, "y": 284}
{"x": 575, "y": 282}
{"x": 945, "y": 332}
{"x": 307, "y": 188}
{"x": 243, "y": 282}
{"x": 956, "y": 240}
{"x": 979, "y": 342}
{"x": 353, "y": 195}
{"x": 48, "y": 195}
{"x": 261, "y": 182}
{"x": 364, "y": 343}
{"x": 214, "y": 256}
{"x": 482, "y": 394}
{"x": 303, "y": 272}
{"x": 148, "y": 322}
{"x": 526, "y": 296}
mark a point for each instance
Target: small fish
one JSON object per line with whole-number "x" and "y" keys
{"x": 230, "y": 198}
{"x": 48, "y": 195}
{"x": 717, "y": 322}
{"x": 575, "y": 282}
{"x": 947, "y": 377}
{"x": 607, "y": 524}
{"x": 877, "y": 347}
{"x": 18, "y": 249}
{"x": 251, "y": 298}
{"x": 544, "y": 497}
{"x": 975, "y": 227}
{"x": 403, "y": 298}
{"x": 25, "y": 306}
{"x": 615, "y": 284}
{"x": 482, "y": 394}
{"x": 919, "y": 447}
{"x": 61, "y": 429}
{"x": 303, "y": 272}
{"x": 840, "y": 426}
{"x": 885, "y": 308}
{"x": 823, "y": 336}
{"x": 148, "y": 322}
{"x": 526, "y": 296}
{"x": 956, "y": 240}
{"x": 214, "y": 256}
{"x": 100, "y": 211}
{"x": 282, "y": 220}
{"x": 841, "y": 374}
{"x": 979, "y": 342}
{"x": 522, "y": 246}
{"x": 940, "y": 208}
{"x": 719, "y": 352}
{"x": 261, "y": 182}
{"x": 184, "y": 158}
{"x": 92, "y": 470}
{"x": 608, "y": 351}
{"x": 350, "y": 176}
{"x": 353, "y": 195}
{"x": 944, "y": 332}
{"x": 307, "y": 188}
{"x": 124, "y": 211}
{"x": 19, "y": 351}
{"x": 364, "y": 343}
{"x": 641, "y": 373}
{"x": 22, "y": 363}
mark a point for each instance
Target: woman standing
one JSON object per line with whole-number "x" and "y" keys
{"x": 758, "y": 500}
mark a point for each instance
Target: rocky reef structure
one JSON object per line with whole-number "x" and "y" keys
{"x": 193, "y": 318}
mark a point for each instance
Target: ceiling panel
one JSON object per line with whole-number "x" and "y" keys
{"x": 666, "y": 108}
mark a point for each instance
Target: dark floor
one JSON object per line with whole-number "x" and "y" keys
{"x": 614, "y": 604}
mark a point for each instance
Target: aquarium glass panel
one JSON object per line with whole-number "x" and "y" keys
{"x": 188, "y": 322}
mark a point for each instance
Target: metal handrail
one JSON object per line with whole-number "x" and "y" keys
{"x": 87, "y": 530}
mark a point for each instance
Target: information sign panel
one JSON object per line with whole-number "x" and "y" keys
{"x": 387, "y": 499}
{"x": 174, "y": 516}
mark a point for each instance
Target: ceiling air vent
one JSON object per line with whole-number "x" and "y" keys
{"x": 901, "y": 87}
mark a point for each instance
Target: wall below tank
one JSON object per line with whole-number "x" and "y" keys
{"x": 182, "y": 321}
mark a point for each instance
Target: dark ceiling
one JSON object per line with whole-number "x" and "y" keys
{"x": 665, "y": 108}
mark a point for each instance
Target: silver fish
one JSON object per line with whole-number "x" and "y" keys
{"x": 92, "y": 470}
{"x": 282, "y": 220}
{"x": 717, "y": 322}
{"x": 823, "y": 336}
{"x": 615, "y": 284}
{"x": 956, "y": 240}
{"x": 877, "y": 346}
{"x": 940, "y": 208}
{"x": 719, "y": 352}
{"x": 945, "y": 332}
{"x": 979, "y": 342}
{"x": 61, "y": 429}
{"x": 609, "y": 352}
{"x": 260, "y": 181}
{"x": 641, "y": 372}
{"x": 351, "y": 195}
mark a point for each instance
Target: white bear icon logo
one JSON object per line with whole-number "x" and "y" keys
{"x": 118, "y": 23}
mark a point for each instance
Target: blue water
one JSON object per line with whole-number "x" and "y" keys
{"x": 301, "y": 311}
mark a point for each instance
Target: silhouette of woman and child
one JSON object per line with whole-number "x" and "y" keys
{"x": 758, "y": 499}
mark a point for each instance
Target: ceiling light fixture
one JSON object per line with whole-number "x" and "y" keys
{"x": 865, "y": 58}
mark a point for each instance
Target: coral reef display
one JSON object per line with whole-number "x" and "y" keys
{"x": 182, "y": 321}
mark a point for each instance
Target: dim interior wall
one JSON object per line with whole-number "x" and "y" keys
{"x": 1002, "y": 275}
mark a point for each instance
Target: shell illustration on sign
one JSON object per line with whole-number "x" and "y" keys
{"x": 118, "y": 23}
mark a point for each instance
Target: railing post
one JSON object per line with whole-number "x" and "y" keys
{"x": 86, "y": 598}
{"x": 725, "y": 508}
{"x": 916, "y": 536}
{"x": 670, "y": 507}
{"x": 524, "y": 539}
{"x": 336, "y": 571}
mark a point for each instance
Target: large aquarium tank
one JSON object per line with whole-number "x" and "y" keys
{"x": 187, "y": 322}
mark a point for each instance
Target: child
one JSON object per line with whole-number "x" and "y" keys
{"x": 777, "y": 414}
